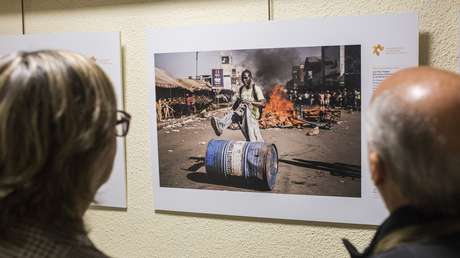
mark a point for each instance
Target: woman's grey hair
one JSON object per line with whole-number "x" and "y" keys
{"x": 57, "y": 118}
{"x": 414, "y": 155}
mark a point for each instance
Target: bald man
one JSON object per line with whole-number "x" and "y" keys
{"x": 414, "y": 155}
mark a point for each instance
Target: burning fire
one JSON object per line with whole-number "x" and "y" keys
{"x": 279, "y": 111}
{"x": 278, "y": 103}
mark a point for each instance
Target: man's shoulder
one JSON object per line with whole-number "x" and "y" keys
{"x": 445, "y": 249}
{"x": 257, "y": 86}
{"x": 259, "y": 91}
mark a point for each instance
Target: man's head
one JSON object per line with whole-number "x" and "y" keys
{"x": 246, "y": 78}
{"x": 57, "y": 135}
{"x": 414, "y": 140}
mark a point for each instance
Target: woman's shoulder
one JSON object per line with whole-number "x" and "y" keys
{"x": 35, "y": 241}
{"x": 85, "y": 251}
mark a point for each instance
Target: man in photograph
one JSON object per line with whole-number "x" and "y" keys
{"x": 246, "y": 111}
{"x": 414, "y": 150}
{"x": 190, "y": 101}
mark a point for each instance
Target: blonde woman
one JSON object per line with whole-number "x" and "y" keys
{"x": 58, "y": 125}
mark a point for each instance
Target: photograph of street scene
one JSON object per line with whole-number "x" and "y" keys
{"x": 276, "y": 120}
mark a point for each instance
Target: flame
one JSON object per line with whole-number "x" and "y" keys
{"x": 279, "y": 103}
{"x": 279, "y": 111}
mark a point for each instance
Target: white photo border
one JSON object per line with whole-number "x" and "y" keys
{"x": 399, "y": 31}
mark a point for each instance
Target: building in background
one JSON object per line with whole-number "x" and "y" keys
{"x": 338, "y": 67}
{"x": 226, "y": 66}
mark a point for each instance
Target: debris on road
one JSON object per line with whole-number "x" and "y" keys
{"x": 314, "y": 131}
{"x": 280, "y": 112}
{"x": 204, "y": 114}
{"x": 173, "y": 123}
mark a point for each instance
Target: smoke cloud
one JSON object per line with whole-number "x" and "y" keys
{"x": 271, "y": 67}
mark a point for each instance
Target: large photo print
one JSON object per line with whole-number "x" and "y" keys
{"x": 267, "y": 119}
{"x": 270, "y": 120}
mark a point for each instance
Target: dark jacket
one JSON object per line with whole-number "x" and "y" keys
{"x": 36, "y": 242}
{"x": 408, "y": 233}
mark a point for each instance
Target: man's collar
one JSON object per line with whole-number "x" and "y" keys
{"x": 402, "y": 217}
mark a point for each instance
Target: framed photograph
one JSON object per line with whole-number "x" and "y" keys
{"x": 104, "y": 48}
{"x": 269, "y": 120}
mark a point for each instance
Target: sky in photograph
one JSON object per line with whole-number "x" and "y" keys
{"x": 183, "y": 65}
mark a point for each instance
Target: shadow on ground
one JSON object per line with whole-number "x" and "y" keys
{"x": 199, "y": 162}
{"x": 336, "y": 168}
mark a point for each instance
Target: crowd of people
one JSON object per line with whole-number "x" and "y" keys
{"x": 190, "y": 104}
{"x": 338, "y": 98}
{"x": 187, "y": 105}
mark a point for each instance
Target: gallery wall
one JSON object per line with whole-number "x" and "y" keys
{"x": 139, "y": 231}
{"x": 10, "y": 17}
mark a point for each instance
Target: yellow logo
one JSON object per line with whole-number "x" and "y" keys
{"x": 377, "y": 49}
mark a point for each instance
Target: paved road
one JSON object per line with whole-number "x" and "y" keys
{"x": 327, "y": 164}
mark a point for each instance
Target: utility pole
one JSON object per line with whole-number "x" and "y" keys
{"x": 196, "y": 65}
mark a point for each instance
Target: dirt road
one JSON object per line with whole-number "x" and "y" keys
{"x": 327, "y": 164}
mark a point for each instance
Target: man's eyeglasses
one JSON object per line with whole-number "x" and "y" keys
{"x": 122, "y": 124}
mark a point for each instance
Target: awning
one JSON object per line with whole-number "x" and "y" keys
{"x": 195, "y": 85}
{"x": 165, "y": 80}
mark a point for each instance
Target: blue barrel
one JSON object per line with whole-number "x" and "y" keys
{"x": 251, "y": 160}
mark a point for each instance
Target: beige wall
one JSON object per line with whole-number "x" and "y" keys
{"x": 139, "y": 231}
{"x": 10, "y": 17}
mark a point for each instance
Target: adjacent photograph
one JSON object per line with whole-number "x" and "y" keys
{"x": 274, "y": 120}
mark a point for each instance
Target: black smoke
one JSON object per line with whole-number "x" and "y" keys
{"x": 271, "y": 67}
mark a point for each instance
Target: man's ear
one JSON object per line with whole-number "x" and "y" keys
{"x": 377, "y": 168}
